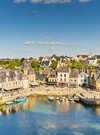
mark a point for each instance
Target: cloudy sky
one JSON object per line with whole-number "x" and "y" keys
{"x": 45, "y": 27}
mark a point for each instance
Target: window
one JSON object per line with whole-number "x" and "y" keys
{"x": 61, "y": 75}
{"x": 64, "y": 75}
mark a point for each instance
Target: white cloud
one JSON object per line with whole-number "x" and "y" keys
{"x": 44, "y": 1}
{"x": 84, "y": 1}
{"x": 20, "y": 1}
{"x": 49, "y": 43}
{"x": 57, "y": 1}
{"x": 42, "y": 43}
{"x": 35, "y": 1}
{"x": 50, "y": 1}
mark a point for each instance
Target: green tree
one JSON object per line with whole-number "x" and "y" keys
{"x": 13, "y": 63}
{"x": 98, "y": 61}
{"x": 54, "y": 64}
{"x": 36, "y": 65}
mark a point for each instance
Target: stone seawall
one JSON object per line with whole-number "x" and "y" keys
{"x": 51, "y": 91}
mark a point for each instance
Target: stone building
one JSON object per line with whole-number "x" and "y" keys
{"x": 28, "y": 71}
{"x": 73, "y": 78}
{"x": 17, "y": 78}
{"x": 52, "y": 78}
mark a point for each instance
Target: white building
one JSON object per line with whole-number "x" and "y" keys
{"x": 83, "y": 79}
{"x": 63, "y": 76}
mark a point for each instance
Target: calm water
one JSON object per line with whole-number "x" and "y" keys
{"x": 37, "y": 116}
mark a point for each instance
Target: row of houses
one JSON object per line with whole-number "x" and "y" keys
{"x": 17, "y": 78}
{"x": 66, "y": 77}
{"x": 91, "y": 60}
{"x": 88, "y": 59}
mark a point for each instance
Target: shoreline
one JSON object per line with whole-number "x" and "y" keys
{"x": 38, "y": 91}
{"x": 50, "y": 91}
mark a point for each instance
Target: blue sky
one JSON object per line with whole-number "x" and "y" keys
{"x": 74, "y": 23}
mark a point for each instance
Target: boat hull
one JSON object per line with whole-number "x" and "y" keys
{"x": 9, "y": 103}
{"x": 20, "y": 100}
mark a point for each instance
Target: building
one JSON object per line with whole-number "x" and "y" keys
{"x": 83, "y": 79}
{"x": 73, "y": 78}
{"x": 92, "y": 61}
{"x": 52, "y": 78}
{"x": 46, "y": 62}
{"x": 81, "y": 57}
{"x": 63, "y": 76}
{"x": 27, "y": 71}
{"x": 17, "y": 78}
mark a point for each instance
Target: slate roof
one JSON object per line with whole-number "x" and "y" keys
{"x": 74, "y": 73}
{"x": 97, "y": 56}
{"x": 45, "y": 63}
{"x": 84, "y": 56}
{"x": 63, "y": 69}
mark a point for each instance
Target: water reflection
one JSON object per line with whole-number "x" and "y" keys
{"x": 41, "y": 104}
{"x": 27, "y": 106}
{"x": 38, "y": 116}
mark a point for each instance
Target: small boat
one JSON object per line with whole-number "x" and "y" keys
{"x": 20, "y": 99}
{"x": 50, "y": 98}
{"x": 57, "y": 98}
{"x": 70, "y": 98}
{"x": 76, "y": 99}
{"x": 9, "y": 103}
{"x": 20, "y": 102}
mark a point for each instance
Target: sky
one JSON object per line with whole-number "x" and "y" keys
{"x": 33, "y": 28}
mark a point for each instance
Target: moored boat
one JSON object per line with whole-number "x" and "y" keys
{"x": 20, "y": 102}
{"x": 76, "y": 99}
{"x": 57, "y": 98}
{"x": 9, "y": 103}
{"x": 70, "y": 98}
{"x": 20, "y": 99}
{"x": 50, "y": 98}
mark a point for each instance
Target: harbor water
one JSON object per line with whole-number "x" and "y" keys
{"x": 38, "y": 116}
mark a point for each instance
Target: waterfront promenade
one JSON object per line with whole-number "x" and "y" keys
{"x": 51, "y": 91}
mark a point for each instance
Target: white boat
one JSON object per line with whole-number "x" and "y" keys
{"x": 57, "y": 98}
{"x": 50, "y": 98}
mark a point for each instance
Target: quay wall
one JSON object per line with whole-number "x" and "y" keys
{"x": 50, "y": 91}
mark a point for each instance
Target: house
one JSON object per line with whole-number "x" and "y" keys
{"x": 17, "y": 78}
{"x": 73, "y": 78}
{"x": 52, "y": 78}
{"x": 97, "y": 57}
{"x": 92, "y": 61}
{"x": 27, "y": 70}
{"x": 93, "y": 77}
{"x": 83, "y": 79}
{"x": 54, "y": 57}
{"x": 46, "y": 62}
{"x": 81, "y": 57}
{"x": 98, "y": 83}
{"x": 13, "y": 81}
{"x": 63, "y": 76}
